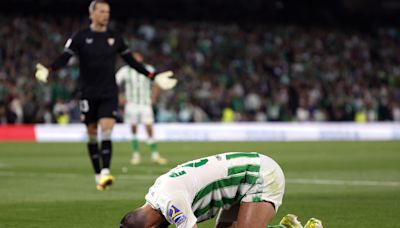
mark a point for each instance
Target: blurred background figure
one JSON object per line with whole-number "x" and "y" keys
{"x": 138, "y": 97}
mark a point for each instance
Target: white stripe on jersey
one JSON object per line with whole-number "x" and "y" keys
{"x": 210, "y": 183}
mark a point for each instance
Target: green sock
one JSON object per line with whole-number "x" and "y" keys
{"x": 153, "y": 147}
{"x": 152, "y": 144}
{"x": 134, "y": 144}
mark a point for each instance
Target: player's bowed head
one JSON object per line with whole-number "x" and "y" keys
{"x": 143, "y": 217}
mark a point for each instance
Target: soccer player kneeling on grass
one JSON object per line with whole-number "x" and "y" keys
{"x": 243, "y": 189}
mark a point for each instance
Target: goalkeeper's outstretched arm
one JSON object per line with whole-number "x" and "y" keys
{"x": 42, "y": 72}
{"x": 163, "y": 79}
{"x": 127, "y": 57}
{"x": 60, "y": 61}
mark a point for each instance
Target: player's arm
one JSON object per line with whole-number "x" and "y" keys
{"x": 163, "y": 79}
{"x": 42, "y": 72}
{"x": 180, "y": 212}
{"x": 127, "y": 57}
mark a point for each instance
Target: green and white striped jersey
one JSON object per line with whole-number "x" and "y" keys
{"x": 195, "y": 191}
{"x": 137, "y": 86}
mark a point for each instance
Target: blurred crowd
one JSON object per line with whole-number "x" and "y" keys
{"x": 227, "y": 72}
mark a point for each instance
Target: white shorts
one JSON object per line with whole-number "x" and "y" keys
{"x": 138, "y": 114}
{"x": 270, "y": 187}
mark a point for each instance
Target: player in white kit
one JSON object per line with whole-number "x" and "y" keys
{"x": 139, "y": 95}
{"x": 245, "y": 189}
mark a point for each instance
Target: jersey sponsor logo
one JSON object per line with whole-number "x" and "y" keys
{"x": 89, "y": 40}
{"x": 111, "y": 41}
{"x": 176, "y": 215}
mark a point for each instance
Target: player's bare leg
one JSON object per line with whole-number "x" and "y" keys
{"x": 106, "y": 126}
{"x": 227, "y": 218}
{"x": 155, "y": 155}
{"x": 255, "y": 215}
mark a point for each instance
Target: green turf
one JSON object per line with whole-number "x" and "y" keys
{"x": 51, "y": 184}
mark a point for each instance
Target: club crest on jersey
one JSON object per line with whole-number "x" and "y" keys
{"x": 111, "y": 41}
{"x": 176, "y": 215}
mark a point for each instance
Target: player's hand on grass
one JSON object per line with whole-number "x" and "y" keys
{"x": 41, "y": 73}
{"x": 165, "y": 81}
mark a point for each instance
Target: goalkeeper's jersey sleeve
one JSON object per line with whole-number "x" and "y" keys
{"x": 137, "y": 86}
{"x": 196, "y": 190}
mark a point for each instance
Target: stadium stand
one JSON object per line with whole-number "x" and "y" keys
{"x": 227, "y": 71}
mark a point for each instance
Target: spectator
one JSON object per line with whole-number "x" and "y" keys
{"x": 262, "y": 69}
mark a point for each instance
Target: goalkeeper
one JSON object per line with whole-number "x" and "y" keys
{"x": 97, "y": 47}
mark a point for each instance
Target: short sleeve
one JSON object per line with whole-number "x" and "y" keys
{"x": 179, "y": 212}
{"x": 174, "y": 205}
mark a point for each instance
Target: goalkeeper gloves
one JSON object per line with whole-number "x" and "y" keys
{"x": 164, "y": 80}
{"x": 41, "y": 73}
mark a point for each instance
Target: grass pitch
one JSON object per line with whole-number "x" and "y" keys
{"x": 345, "y": 184}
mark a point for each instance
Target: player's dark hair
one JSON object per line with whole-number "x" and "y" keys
{"x": 93, "y": 4}
{"x": 133, "y": 219}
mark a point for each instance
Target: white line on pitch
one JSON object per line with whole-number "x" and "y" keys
{"x": 343, "y": 182}
{"x": 2, "y": 165}
{"x": 152, "y": 177}
{"x": 72, "y": 175}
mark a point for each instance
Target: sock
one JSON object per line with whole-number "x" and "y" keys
{"x": 134, "y": 144}
{"x": 94, "y": 155}
{"x": 106, "y": 152}
{"x": 106, "y": 149}
{"x": 105, "y": 171}
{"x": 97, "y": 178}
{"x": 153, "y": 145}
